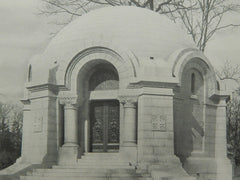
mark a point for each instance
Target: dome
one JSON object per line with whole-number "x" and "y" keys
{"x": 143, "y": 32}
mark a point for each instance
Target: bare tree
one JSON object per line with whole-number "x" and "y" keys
{"x": 205, "y": 18}
{"x": 5, "y": 110}
{"x": 201, "y": 18}
{"x": 69, "y": 9}
{"x": 229, "y": 71}
{"x": 10, "y": 133}
{"x": 78, "y": 7}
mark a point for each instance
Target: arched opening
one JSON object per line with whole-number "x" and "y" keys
{"x": 193, "y": 83}
{"x": 30, "y": 73}
{"x": 104, "y": 113}
{"x": 189, "y": 117}
{"x": 99, "y": 119}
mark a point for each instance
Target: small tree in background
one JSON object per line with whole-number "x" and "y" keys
{"x": 229, "y": 71}
{"x": 10, "y": 133}
{"x": 5, "y": 111}
{"x": 16, "y": 130}
{"x": 233, "y": 129}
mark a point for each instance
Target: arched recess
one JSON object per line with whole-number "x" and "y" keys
{"x": 182, "y": 57}
{"x": 99, "y": 116}
{"x": 125, "y": 68}
{"x": 190, "y": 100}
{"x": 78, "y": 75}
{"x": 29, "y": 73}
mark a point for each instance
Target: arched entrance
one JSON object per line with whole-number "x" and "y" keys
{"x": 93, "y": 81}
{"x": 100, "y": 117}
{"x": 104, "y": 113}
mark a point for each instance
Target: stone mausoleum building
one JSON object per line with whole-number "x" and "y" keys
{"x": 123, "y": 93}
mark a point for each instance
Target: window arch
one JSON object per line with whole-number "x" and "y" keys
{"x": 218, "y": 86}
{"x": 193, "y": 81}
{"x": 30, "y": 73}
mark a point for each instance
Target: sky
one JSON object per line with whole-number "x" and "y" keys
{"x": 23, "y": 34}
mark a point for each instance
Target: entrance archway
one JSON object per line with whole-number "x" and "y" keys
{"x": 104, "y": 114}
{"x": 98, "y": 86}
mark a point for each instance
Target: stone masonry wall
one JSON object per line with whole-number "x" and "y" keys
{"x": 41, "y": 145}
{"x": 155, "y": 128}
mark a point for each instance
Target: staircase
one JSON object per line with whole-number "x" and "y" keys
{"x": 93, "y": 166}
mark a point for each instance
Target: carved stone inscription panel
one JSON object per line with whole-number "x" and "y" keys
{"x": 159, "y": 122}
{"x": 38, "y": 122}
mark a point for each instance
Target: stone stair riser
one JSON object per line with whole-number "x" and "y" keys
{"x": 83, "y": 178}
{"x": 85, "y": 170}
{"x": 97, "y": 167}
{"x": 93, "y": 166}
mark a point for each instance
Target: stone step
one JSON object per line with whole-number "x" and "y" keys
{"x": 87, "y": 174}
{"x": 85, "y": 170}
{"x": 99, "y": 163}
{"x": 102, "y": 159}
{"x": 99, "y": 158}
{"x": 93, "y": 166}
{"x": 84, "y": 178}
{"x": 170, "y": 175}
{"x": 99, "y": 155}
{"x": 177, "y": 178}
{"x": 103, "y": 166}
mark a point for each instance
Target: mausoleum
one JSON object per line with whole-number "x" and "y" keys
{"x": 124, "y": 93}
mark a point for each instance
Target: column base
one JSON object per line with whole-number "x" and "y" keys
{"x": 129, "y": 153}
{"x": 68, "y": 154}
{"x": 168, "y": 167}
{"x": 209, "y": 168}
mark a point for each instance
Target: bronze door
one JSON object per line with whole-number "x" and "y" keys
{"x": 104, "y": 126}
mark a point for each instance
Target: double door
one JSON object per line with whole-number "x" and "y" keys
{"x": 104, "y": 126}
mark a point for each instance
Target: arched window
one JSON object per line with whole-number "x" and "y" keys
{"x": 30, "y": 73}
{"x": 193, "y": 83}
{"x": 104, "y": 79}
{"x": 218, "y": 86}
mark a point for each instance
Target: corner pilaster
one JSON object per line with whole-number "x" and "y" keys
{"x": 224, "y": 166}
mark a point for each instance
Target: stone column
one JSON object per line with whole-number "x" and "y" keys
{"x": 224, "y": 167}
{"x": 70, "y": 125}
{"x": 68, "y": 154}
{"x": 130, "y": 126}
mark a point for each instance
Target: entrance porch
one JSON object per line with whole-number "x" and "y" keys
{"x": 97, "y": 118}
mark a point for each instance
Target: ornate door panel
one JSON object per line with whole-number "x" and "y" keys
{"x": 113, "y": 126}
{"x": 97, "y": 126}
{"x": 104, "y": 129}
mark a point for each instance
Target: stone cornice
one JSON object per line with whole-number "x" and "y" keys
{"x": 153, "y": 84}
{"x": 219, "y": 99}
{"x": 43, "y": 87}
{"x": 25, "y": 101}
{"x": 218, "y": 96}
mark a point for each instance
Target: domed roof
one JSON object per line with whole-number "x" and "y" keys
{"x": 143, "y": 32}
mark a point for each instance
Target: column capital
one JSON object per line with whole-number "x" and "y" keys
{"x": 68, "y": 99}
{"x": 128, "y": 100}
